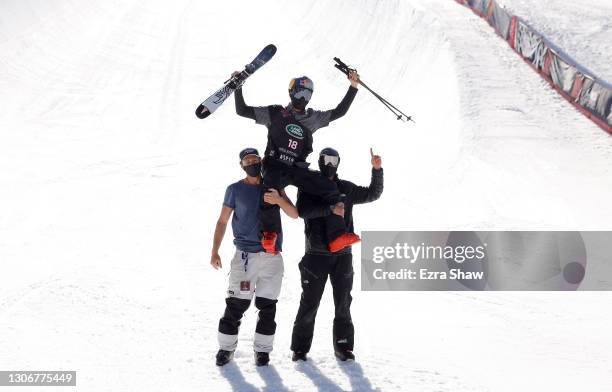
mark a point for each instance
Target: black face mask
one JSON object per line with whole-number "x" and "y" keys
{"x": 328, "y": 171}
{"x": 252, "y": 170}
{"x": 299, "y": 104}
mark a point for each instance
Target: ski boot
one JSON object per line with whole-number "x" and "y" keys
{"x": 345, "y": 355}
{"x": 346, "y": 239}
{"x": 268, "y": 242}
{"x": 298, "y": 356}
{"x": 224, "y": 356}
{"x": 261, "y": 358}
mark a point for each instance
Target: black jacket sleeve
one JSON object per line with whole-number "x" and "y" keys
{"x": 310, "y": 208}
{"x": 241, "y": 107}
{"x": 344, "y": 105}
{"x": 362, "y": 194}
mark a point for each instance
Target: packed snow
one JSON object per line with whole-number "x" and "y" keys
{"x": 111, "y": 188}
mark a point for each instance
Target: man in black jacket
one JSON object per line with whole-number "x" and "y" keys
{"x": 290, "y": 132}
{"x": 319, "y": 262}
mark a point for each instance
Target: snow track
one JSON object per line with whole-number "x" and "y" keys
{"x": 111, "y": 188}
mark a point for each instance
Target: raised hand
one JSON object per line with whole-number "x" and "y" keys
{"x": 376, "y": 160}
{"x": 354, "y": 78}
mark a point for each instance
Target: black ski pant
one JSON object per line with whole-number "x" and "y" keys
{"x": 277, "y": 175}
{"x": 314, "y": 270}
{"x": 235, "y": 308}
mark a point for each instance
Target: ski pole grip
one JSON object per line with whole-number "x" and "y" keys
{"x": 343, "y": 70}
{"x": 342, "y": 66}
{"x": 340, "y": 63}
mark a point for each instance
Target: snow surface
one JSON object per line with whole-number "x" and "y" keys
{"x": 582, "y": 28}
{"x": 110, "y": 189}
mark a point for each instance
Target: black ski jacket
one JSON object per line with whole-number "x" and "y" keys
{"x": 312, "y": 210}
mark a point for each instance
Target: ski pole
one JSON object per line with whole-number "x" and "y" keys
{"x": 345, "y": 69}
{"x": 388, "y": 104}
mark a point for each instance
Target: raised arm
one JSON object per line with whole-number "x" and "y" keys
{"x": 346, "y": 102}
{"x": 261, "y": 114}
{"x": 242, "y": 109}
{"x": 215, "y": 259}
{"x": 362, "y": 194}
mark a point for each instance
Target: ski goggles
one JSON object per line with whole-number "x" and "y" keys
{"x": 330, "y": 160}
{"x": 301, "y": 88}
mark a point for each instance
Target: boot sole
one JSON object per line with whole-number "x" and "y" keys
{"x": 344, "y": 359}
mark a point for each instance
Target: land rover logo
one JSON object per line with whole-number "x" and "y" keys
{"x": 295, "y": 131}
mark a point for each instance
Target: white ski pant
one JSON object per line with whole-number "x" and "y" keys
{"x": 251, "y": 275}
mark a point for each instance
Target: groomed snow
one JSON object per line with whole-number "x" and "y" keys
{"x": 111, "y": 188}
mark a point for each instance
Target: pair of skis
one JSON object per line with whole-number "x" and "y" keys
{"x": 213, "y": 102}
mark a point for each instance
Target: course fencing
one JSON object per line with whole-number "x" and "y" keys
{"x": 589, "y": 94}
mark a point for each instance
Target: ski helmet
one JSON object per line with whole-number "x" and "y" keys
{"x": 300, "y": 91}
{"x": 329, "y": 160}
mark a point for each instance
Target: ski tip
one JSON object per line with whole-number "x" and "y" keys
{"x": 271, "y": 48}
{"x": 202, "y": 112}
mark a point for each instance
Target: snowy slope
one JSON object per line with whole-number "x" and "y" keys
{"x": 582, "y": 28}
{"x": 111, "y": 188}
